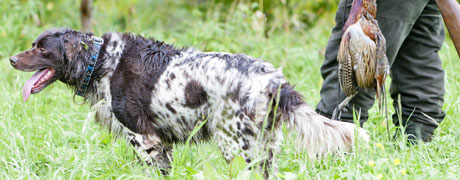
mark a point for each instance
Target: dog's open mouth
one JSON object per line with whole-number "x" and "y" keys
{"x": 37, "y": 82}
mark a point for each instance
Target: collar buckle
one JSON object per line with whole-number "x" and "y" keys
{"x": 97, "y": 40}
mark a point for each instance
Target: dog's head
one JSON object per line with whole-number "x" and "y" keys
{"x": 54, "y": 55}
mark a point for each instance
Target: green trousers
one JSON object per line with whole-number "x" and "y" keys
{"x": 414, "y": 33}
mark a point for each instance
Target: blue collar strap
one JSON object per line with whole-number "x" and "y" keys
{"x": 97, "y": 42}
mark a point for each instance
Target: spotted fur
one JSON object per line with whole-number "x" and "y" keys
{"x": 155, "y": 95}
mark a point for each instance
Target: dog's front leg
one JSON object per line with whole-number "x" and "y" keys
{"x": 150, "y": 150}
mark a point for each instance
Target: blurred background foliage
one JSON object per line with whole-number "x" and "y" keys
{"x": 29, "y": 17}
{"x": 279, "y": 31}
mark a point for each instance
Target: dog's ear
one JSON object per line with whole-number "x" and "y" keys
{"x": 72, "y": 45}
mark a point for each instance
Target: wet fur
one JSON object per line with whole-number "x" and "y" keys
{"x": 155, "y": 95}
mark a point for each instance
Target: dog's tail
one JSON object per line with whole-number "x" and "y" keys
{"x": 317, "y": 134}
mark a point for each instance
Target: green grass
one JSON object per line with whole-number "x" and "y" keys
{"x": 49, "y": 137}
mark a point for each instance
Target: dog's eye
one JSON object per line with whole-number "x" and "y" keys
{"x": 42, "y": 50}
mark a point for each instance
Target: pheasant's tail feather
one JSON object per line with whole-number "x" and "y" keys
{"x": 383, "y": 105}
{"x": 346, "y": 72}
{"x": 381, "y": 96}
{"x": 381, "y": 70}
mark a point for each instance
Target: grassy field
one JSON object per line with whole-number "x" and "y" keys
{"x": 49, "y": 137}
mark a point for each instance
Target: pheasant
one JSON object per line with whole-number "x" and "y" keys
{"x": 362, "y": 55}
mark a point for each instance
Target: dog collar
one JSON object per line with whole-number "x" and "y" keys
{"x": 97, "y": 42}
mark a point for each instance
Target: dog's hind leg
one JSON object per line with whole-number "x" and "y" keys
{"x": 271, "y": 143}
{"x": 150, "y": 150}
{"x": 234, "y": 136}
{"x": 230, "y": 144}
{"x": 239, "y": 136}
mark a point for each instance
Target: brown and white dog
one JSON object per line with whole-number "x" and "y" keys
{"x": 155, "y": 95}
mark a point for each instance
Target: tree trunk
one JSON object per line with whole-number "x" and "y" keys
{"x": 85, "y": 9}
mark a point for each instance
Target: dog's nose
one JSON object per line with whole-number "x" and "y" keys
{"x": 13, "y": 59}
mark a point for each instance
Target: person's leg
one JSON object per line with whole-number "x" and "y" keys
{"x": 418, "y": 77}
{"x": 396, "y": 19}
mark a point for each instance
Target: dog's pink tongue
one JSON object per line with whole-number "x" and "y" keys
{"x": 30, "y": 84}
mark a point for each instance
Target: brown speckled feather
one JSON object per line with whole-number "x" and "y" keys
{"x": 346, "y": 73}
{"x": 362, "y": 52}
